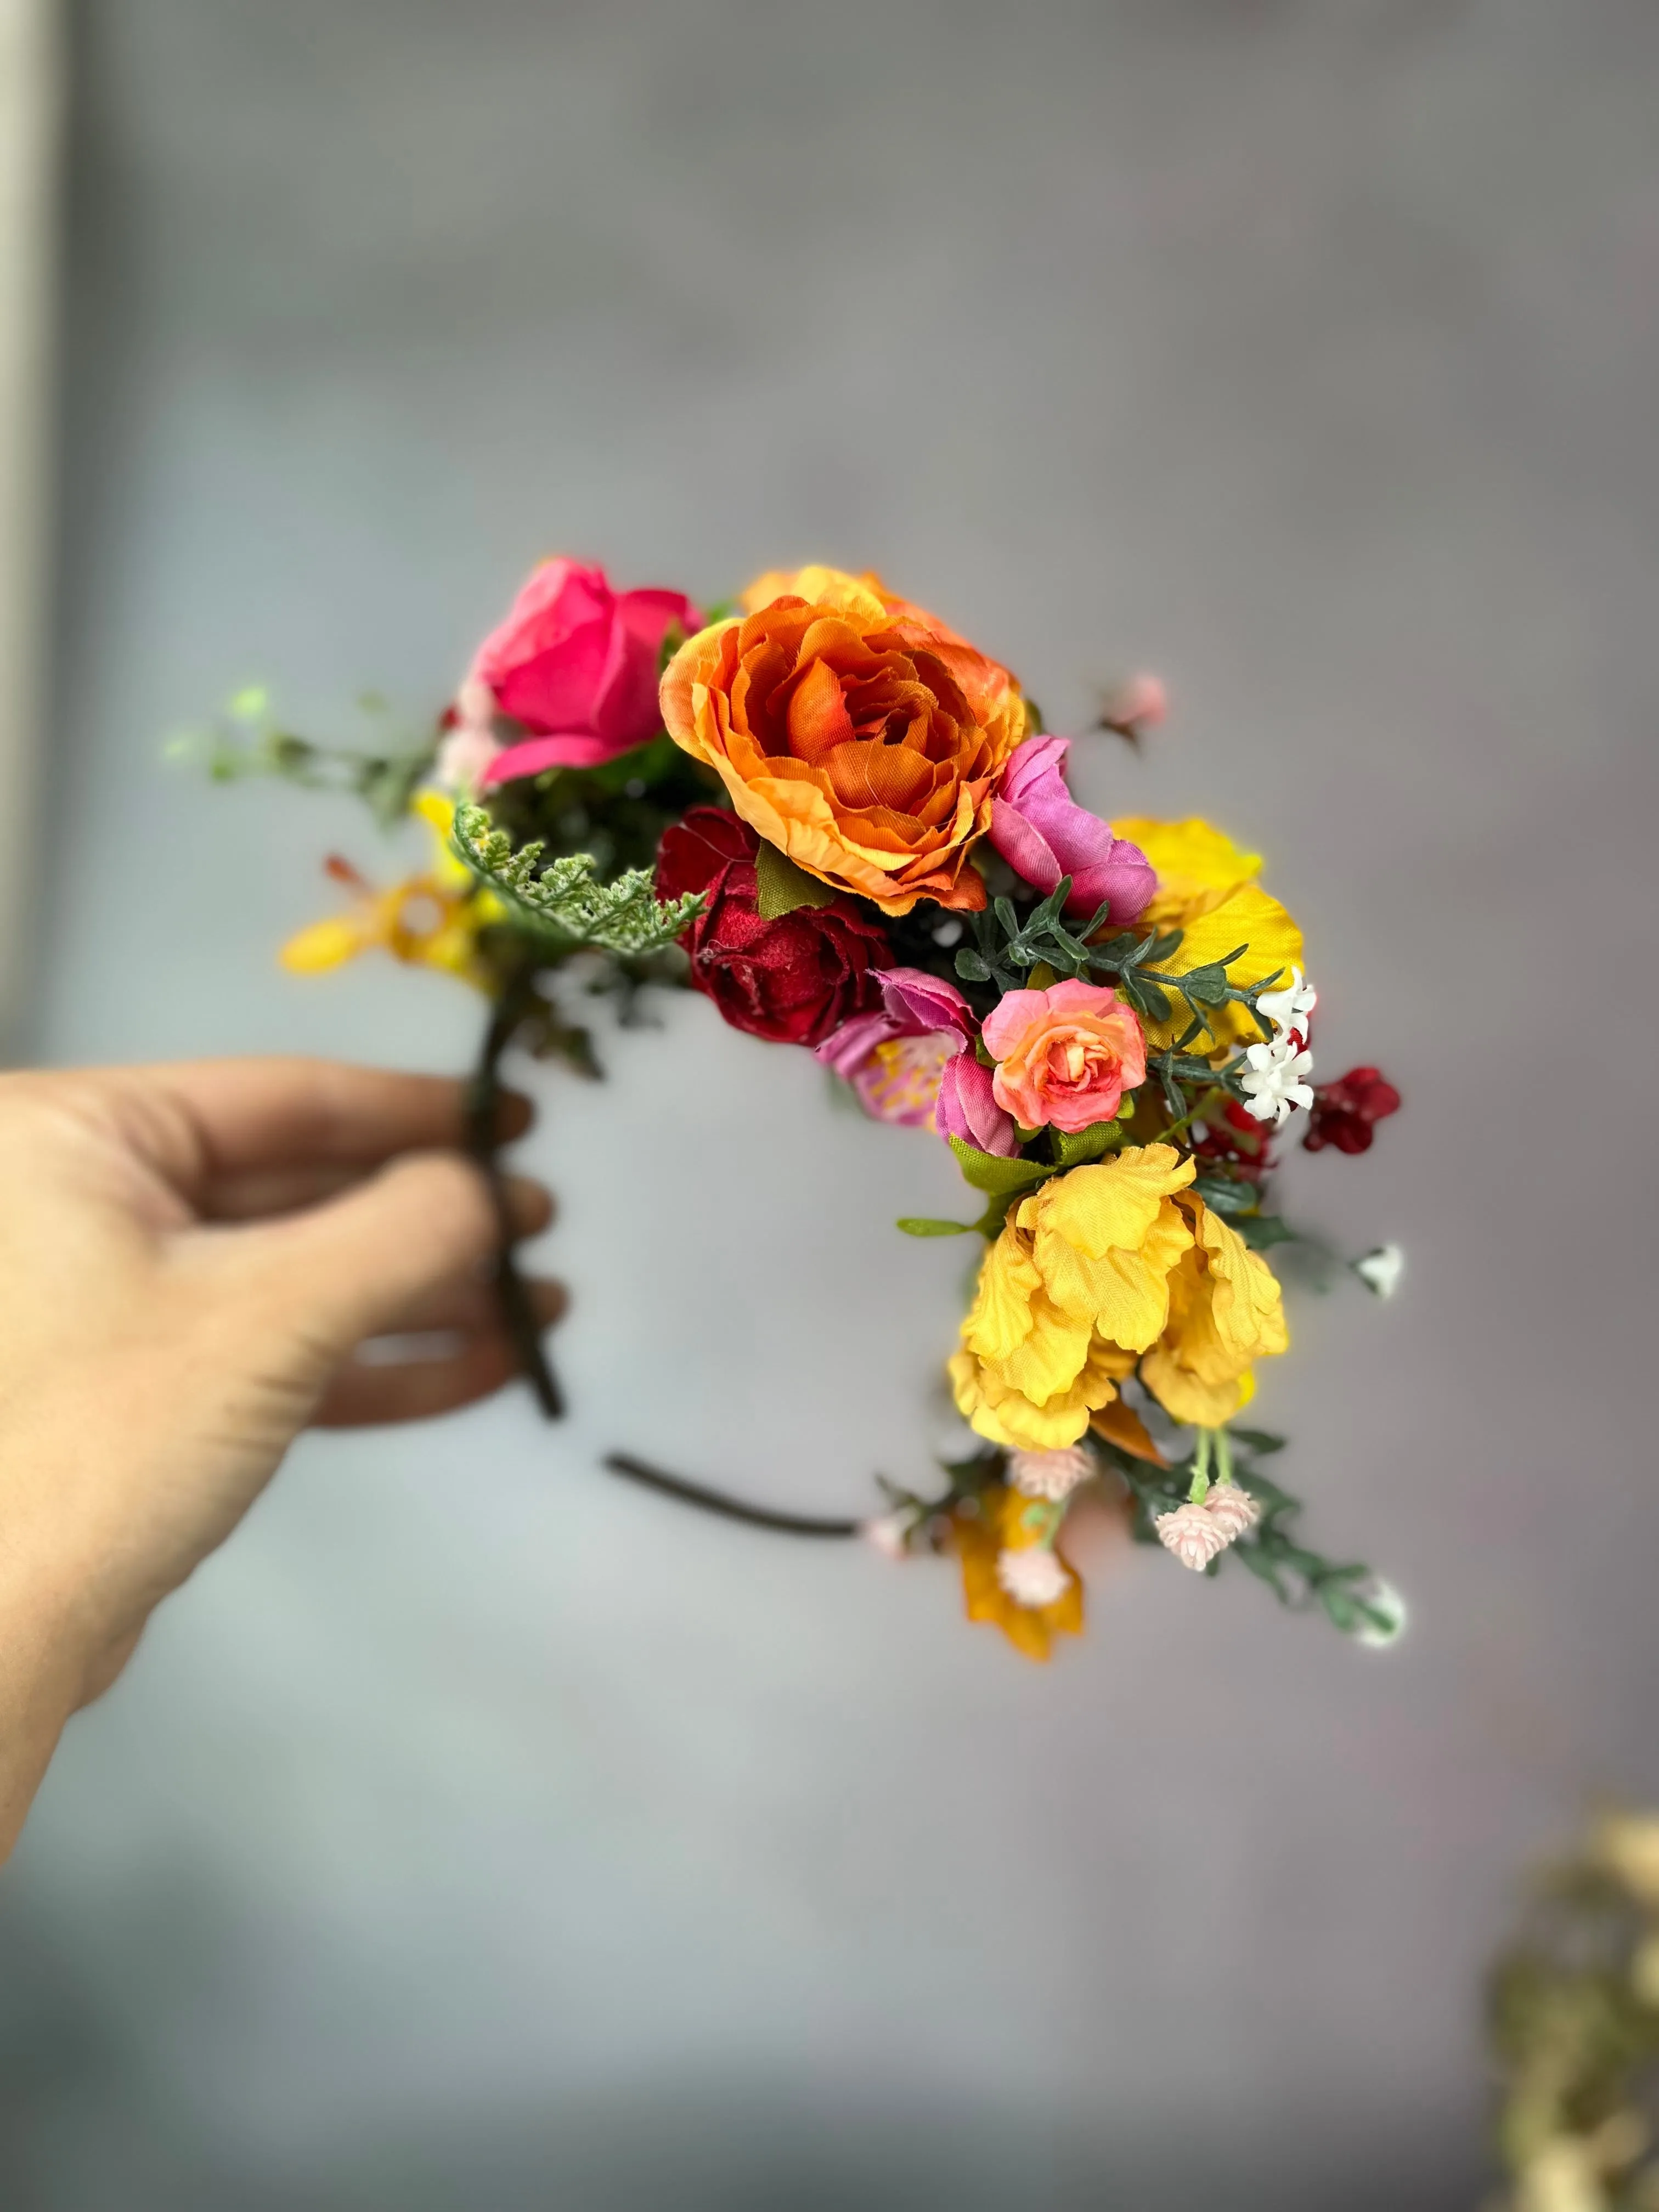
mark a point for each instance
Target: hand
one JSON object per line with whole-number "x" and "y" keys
{"x": 190, "y": 1258}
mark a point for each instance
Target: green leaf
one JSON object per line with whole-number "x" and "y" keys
{"x": 1262, "y": 1231}
{"x": 970, "y": 967}
{"x": 1223, "y": 1195}
{"x": 985, "y": 1171}
{"x": 920, "y": 1225}
{"x": 1074, "y": 1150}
{"x": 1206, "y": 986}
{"x": 780, "y": 887}
{"x": 1256, "y": 1440}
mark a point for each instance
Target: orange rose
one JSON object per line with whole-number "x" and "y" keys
{"x": 853, "y": 731}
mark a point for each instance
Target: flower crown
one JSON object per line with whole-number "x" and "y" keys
{"x": 845, "y": 825}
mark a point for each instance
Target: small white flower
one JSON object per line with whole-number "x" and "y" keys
{"x": 1289, "y": 1009}
{"x": 1032, "y": 1577}
{"x": 1382, "y": 1597}
{"x": 1191, "y": 1536}
{"x": 1380, "y": 1271}
{"x": 1051, "y": 1475}
{"x": 889, "y": 1533}
{"x": 1276, "y": 1080}
{"x": 1232, "y": 1510}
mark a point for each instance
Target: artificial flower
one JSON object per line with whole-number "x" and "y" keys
{"x": 1224, "y": 1313}
{"x": 1073, "y": 1288}
{"x": 1138, "y": 704}
{"x": 1233, "y": 1510}
{"x": 795, "y": 979}
{"x": 573, "y": 669}
{"x": 1050, "y": 1474}
{"x": 889, "y": 1533}
{"x": 913, "y": 1062}
{"x": 1275, "y": 1080}
{"x": 1191, "y": 1535}
{"x": 1043, "y": 834}
{"x": 431, "y": 920}
{"x": 853, "y": 730}
{"x": 1343, "y": 1113}
{"x": 983, "y": 1529}
{"x": 1032, "y": 1577}
{"x": 1289, "y": 1007}
{"x": 1206, "y": 889}
{"x": 1380, "y": 1271}
{"x": 1065, "y": 1056}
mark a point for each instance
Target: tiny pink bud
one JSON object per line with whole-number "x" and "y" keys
{"x": 1140, "y": 702}
{"x": 1232, "y": 1510}
{"x": 1032, "y": 1577}
{"x": 1050, "y": 1474}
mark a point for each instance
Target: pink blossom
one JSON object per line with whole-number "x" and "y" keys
{"x": 914, "y": 1062}
{"x": 1066, "y": 1056}
{"x": 1139, "y": 703}
{"x": 1042, "y": 833}
{"x": 574, "y": 666}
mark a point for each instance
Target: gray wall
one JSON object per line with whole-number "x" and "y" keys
{"x": 477, "y": 1833}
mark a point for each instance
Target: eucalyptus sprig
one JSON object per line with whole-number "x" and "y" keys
{"x": 1005, "y": 949}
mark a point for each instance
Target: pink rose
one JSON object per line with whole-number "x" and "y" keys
{"x": 914, "y": 1062}
{"x": 1065, "y": 1056}
{"x": 1042, "y": 833}
{"x": 574, "y": 666}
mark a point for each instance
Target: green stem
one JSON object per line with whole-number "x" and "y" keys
{"x": 483, "y": 1121}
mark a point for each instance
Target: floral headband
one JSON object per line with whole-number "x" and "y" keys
{"x": 845, "y": 825}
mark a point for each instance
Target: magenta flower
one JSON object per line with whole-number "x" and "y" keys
{"x": 914, "y": 1062}
{"x": 574, "y": 666}
{"x": 1041, "y": 831}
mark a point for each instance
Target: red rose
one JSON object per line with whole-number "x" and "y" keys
{"x": 794, "y": 979}
{"x": 1343, "y": 1111}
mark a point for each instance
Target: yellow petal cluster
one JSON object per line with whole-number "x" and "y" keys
{"x": 428, "y": 920}
{"x": 1099, "y": 1267}
{"x": 1073, "y": 1288}
{"x": 1207, "y": 887}
{"x": 1226, "y": 1313}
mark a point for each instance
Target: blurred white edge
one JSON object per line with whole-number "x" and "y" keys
{"x": 32, "y": 79}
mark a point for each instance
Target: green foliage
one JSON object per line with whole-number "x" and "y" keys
{"x": 918, "y": 1224}
{"x": 985, "y": 1171}
{"x": 247, "y": 740}
{"x": 563, "y": 901}
{"x": 1349, "y": 1594}
{"x": 780, "y": 887}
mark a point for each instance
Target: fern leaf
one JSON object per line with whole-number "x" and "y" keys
{"x": 563, "y": 900}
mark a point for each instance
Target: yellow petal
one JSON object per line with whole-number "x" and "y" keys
{"x": 1198, "y": 865}
{"x": 1272, "y": 943}
{"x": 999, "y": 1320}
{"x": 328, "y": 944}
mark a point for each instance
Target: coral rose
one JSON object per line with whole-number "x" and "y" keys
{"x": 853, "y": 731}
{"x": 573, "y": 666}
{"x": 1066, "y": 1056}
{"x": 795, "y": 979}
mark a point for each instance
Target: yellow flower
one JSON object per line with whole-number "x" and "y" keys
{"x": 1074, "y": 1287}
{"x": 1226, "y": 1313}
{"x": 1207, "y": 887}
{"x": 1005, "y": 1521}
{"x": 429, "y": 920}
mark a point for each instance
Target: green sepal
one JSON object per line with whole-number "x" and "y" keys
{"x": 782, "y": 888}
{"x": 918, "y": 1224}
{"x": 986, "y": 1172}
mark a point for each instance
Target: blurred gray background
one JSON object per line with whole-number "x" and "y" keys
{"x": 478, "y": 1832}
